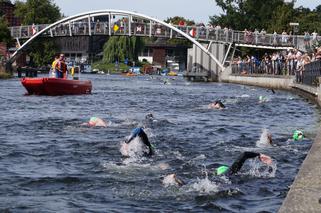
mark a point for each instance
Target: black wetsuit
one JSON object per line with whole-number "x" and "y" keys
{"x": 237, "y": 165}
{"x": 140, "y": 133}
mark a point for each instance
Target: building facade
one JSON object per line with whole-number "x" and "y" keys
{"x": 7, "y": 10}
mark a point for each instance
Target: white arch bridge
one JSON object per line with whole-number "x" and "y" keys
{"x": 117, "y": 22}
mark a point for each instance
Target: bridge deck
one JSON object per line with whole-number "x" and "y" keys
{"x": 152, "y": 29}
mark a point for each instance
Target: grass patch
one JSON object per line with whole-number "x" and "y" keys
{"x": 110, "y": 67}
{"x": 4, "y": 75}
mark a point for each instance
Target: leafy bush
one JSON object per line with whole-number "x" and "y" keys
{"x": 110, "y": 67}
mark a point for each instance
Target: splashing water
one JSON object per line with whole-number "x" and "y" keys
{"x": 259, "y": 169}
{"x": 263, "y": 99}
{"x": 204, "y": 186}
{"x": 264, "y": 139}
{"x": 134, "y": 149}
{"x": 170, "y": 180}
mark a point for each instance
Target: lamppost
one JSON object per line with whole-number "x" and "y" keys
{"x": 295, "y": 26}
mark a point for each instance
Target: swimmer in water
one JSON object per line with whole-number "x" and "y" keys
{"x": 265, "y": 139}
{"x": 217, "y": 105}
{"x": 139, "y": 132}
{"x": 95, "y": 122}
{"x": 172, "y": 179}
{"x": 237, "y": 165}
{"x": 263, "y": 99}
{"x": 149, "y": 116}
{"x": 298, "y": 135}
{"x": 269, "y": 139}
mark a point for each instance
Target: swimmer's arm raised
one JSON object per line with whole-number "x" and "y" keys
{"x": 237, "y": 165}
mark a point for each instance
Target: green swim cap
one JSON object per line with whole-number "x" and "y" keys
{"x": 297, "y": 135}
{"x": 93, "y": 119}
{"x": 262, "y": 98}
{"x": 221, "y": 170}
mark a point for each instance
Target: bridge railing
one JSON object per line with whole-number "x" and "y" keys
{"x": 272, "y": 67}
{"x": 140, "y": 27}
{"x": 311, "y": 73}
{"x": 147, "y": 28}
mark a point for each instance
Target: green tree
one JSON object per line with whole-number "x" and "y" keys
{"x": 273, "y": 15}
{"x": 37, "y": 11}
{"x": 176, "y": 19}
{"x": 118, "y": 48}
{"x": 241, "y": 14}
{"x": 318, "y": 9}
{"x": 4, "y": 31}
{"x": 281, "y": 18}
{"x": 42, "y": 51}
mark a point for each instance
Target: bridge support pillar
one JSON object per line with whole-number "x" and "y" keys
{"x": 8, "y": 67}
{"x": 200, "y": 66}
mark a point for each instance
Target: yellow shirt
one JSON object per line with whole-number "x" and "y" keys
{"x": 54, "y": 64}
{"x": 72, "y": 71}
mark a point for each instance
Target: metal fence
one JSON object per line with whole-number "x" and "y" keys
{"x": 311, "y": 73}
{"x": 147, "y": 28}
{"x": 277, "y": 67}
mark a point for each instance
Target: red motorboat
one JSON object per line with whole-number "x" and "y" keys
{"x": 56, "y": 86}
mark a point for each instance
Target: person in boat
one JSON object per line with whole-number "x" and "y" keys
{"x": 172, "y": 179}
{"x": 217, "y": 105}
{"x": 53, "y": 72}
{"x": 139, "y": 132}
{"x": 95, "y": 122}
{"x": 61, "y": 67}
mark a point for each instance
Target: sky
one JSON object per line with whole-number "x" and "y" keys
{"x": 197, "y": 10}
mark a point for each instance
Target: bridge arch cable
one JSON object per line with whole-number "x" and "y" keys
{"x": 111, "y": 12}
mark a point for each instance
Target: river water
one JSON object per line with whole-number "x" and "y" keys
{"x": 50, "y": 163}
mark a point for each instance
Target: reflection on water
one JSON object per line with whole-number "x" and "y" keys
{"x": 49, "y": 161}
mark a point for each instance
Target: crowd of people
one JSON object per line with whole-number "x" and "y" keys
{"x": 287, "y": 62}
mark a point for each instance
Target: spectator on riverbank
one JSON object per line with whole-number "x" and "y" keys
{"x": 318, "y": 54}
{"x": 284, "y": 37}
{"x": 307, "y": 40}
